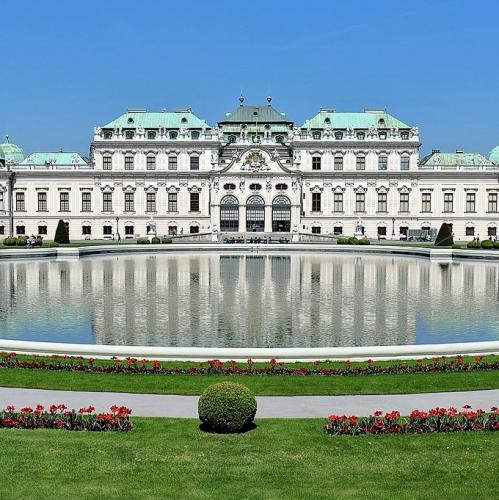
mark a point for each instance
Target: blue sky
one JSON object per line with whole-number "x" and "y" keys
{"x": 67, "y": 66}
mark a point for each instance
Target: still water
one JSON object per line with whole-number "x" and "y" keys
{"x": 249, "y": 300}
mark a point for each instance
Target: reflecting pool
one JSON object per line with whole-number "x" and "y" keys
{"x": 249, "y": 300}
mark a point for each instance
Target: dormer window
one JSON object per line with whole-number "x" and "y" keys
{"x": 338, "y": 135}
{"x": 229, "y": 187}
{"x": 382, "y": 135}
{"x": 151, "y": 134}
{"x": 316, "y": 135}
{"x": 108, "y": 134}
{"x": 231, "y": 139}
{"x": 183, "y": 120}
{"x": 327, "y": 120}
{"x": 381, "y": 121}
{"x": 173, "y": 134}
{"x": 404, "y": 135}
{"x": 267, "y": 127}
{"x": 279, "y": 138}
{"x": 129, "y": 134}
{"x": 195, "y": 135}
{"x": 255, "y": 113}
{"x": 281, "y": 187}
{"x": 361, "y": 136}
{"x": 255, "y": 187}
{"x": 130, "y": 120}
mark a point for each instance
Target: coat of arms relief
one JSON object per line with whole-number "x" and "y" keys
{"x": 255, "y": 161}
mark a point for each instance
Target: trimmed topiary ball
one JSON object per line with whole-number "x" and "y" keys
{"x": 227, "y": 407}
{"x": 487, "y": 244}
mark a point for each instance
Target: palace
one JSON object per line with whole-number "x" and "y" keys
{"x": 255, "y": 171}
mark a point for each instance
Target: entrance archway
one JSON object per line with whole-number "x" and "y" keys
{"x": 255, "y": 214}
{"x": 281, "y": 214}
{"x": 229, "y": 214}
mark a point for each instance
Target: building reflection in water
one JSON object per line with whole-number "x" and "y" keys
{"x": 254, "y": 300}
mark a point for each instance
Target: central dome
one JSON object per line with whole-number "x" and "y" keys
{"x": 11, "y": 152}
{"x": 494, "y": 155}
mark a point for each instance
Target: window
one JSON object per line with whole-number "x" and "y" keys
{"x": 492, "y": 203}
{"x": 381, "y": 231}
{"x": 173, "y": 135}
{"x": 150, "y": 202}
{"x": 382, "y": 162}
{"x": 281, "y": 187}
{"x": 64, "y": 202}
{"x": 316, "y": 230}
{"x": 129, "y": 230}
{"x": 86, "y": 230}
{"x": 42, "y": 230}
{"x": 108, "y": 134}
{"x": 279, "y": 139}
{"x": 2, "y": 207}
{"x": 404, "y": 162}
{"x": 338, "y": 135}
{"x": 194, "y": 202}
{"x": 448, "y": 202}
{"x": 404, "y": 202}
{"x": 128, "y": 162}
{"x": 338, "y": 162}
{"x": 151, "y": 134}
{"x": 130, "y": 120}
{"x": 360, "y": 162}
{"x": 470, "y": 231}
{"x": 151, "y": 162}
{"x": 194, "y": 162}
{"x": 337, "y": 230}
{"x": 20, "y": 202}
{"x": 86, "y": 202}
{"x": 403, "y": 230}
{"x": 129, "y": 134}
{"x": 107, "y": 230}
{"x": 316, "y": 202}
{"x": 491, "y": 231}
{"x": 172, "y": 202}
{"x": 316, "y": 135}
{"x": 361, "y": 136}
{"x": 360, "y": 202}
{"x": 195, "y": 135}
{"x": 470, "y": 202}
{"x": 404, "y": 135}
{"x": 255, "y": 187}
{"x": 194, "y": 229}
{"x": 107, "y": 202}
{"x": 382, "y": 202}
{"x": 316, "y": 163}
{"x": 382, "y": 135}
{"x": 172, "y": 230}
{"x": 2, "y": 229}
{"x": 42, "y": 201}
{"x": 229, "y": 187}
{"x": 338, "y": 202}
{"x": 172, "y": 163}
{"x": 425, "y": 202}
{"x": 231, "y": 139}
{"x": 107, "y": 162}
{"x": 129, "y": 202}
{"x": 20, "y": 230}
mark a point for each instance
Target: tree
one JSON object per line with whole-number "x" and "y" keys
{"x": 444, "y": 236}
{"x": 62, "y": 233}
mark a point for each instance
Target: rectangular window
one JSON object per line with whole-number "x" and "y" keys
{"x": 172, "y": 202}
{"x": 86, "y": 202}
{"x": 470, "y": 202}
{"x": 151, "y": 202}
{"x": 194, "y": 162}
{"x": 151, "y": 162}
{"x": 2, "y": 229}
{"x": 316, "y": 202}
{"x": 194, "y": 202}
{"x": 492, "y": 203}
{"x": 404, "y": 202}
{"x": 2, "y": 207}
{"x": 20, "y": 230}
{"x": 86, "y": 230}
{"x": 470, "y": 231}
{"x": 194, "y": 229}
{"x": 491, "y": 231}
{"x": 128, "y": 162}
{"x": 381, "y": 231}
{"x": 316, "y": 230}
{"x": 129, "y": 230}
{"x": 404, "y": 162}
{"x": 338, "y": 230}
{"x": 360, "y": 162}
{"x": 42, "y": 201}
{"x": 20, "y": 202}
{"x": 107, "y": 202}
{"x": 448, "y": 202}
{"x": 129, "y": 202}
{"x": 338, "y": 162}
{"x": 425, "y": 202}
{"x": 382, "y": 162}
{"x": 64, "y": 202}
{"x": 316, "y": 163}
{"x": 42, "y": 230}
{"x": 107, "y": 230}
{"x": 107, "y": 162}
{"x": 172, "y": 163}
{"x": 360, "y": 202}
{"x": 382, "y": 202}
{"x": 338, "y": 202}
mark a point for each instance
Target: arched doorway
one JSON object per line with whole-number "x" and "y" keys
{"x": 281, "y": 214}
{"x": 229, "y": 214}
{"x": 255, "y": 214}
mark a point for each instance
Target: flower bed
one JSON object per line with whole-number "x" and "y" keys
{"x": 59, "y": 417}
{"x": 217, "y": 367}
{"x": 418, "y": 422}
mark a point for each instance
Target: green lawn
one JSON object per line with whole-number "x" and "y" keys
{"x": 269, "y": 385}
{"x": 172, "y": 458}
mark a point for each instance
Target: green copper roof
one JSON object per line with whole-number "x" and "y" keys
{"x": 251, "y": 128}
{"x": 453, "y": 159}
{"x": 255, "y": 114}
{"x": 143, "y": 119}
{"x": 328, "y": 118}
{"x": 494, "y": 155}
{"x": 56, "y": 158}
{"x": 11, "y": 152}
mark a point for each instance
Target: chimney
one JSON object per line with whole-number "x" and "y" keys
{"x": 459, "y": 151}
{"x": 435, "y": 151}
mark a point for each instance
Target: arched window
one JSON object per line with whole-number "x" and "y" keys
{"x": 404, "y": 135}
{"x": 255, "y": 214}
{"x": 151, "y": 134}
{"x": 130, "y": 120}
{"x": 108, "y": 134}
{"x": 361, "y": 136}
{"x": 195, "y": 135}
{"x": 316, "y": 134}
{"x": 129, "y": 134}
{"x": 279, "y": 138}
{"x": 382, "y": 135}
{"x": 183, "y": 120}
{"x": 173, "y": 134}
{"x": 229, "y": 214}
{"x": 327, "y": 120}
{"x": 281, "y": 214}
{"x": 255, "y": 187}
{"x": 231, "y": 139}
{"x": 338, "y": 135}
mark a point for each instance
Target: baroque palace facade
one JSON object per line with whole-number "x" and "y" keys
{"x": 254, "y": 172}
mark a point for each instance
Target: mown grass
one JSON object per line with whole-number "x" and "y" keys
{"x": 172, "y": 458}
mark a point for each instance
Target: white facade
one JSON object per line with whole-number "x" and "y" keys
{"x": 256, "y": 172}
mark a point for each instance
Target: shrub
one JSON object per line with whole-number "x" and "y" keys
{"x": 473, "y": 244}
{"x": 342, "y": 241}
{"x": 364, "y": 241}
{"x": 487, "y": 244}
{"x": 10, "y": 241}
{"x": 62, "y": 233}
{"x": 143, "y": 241}
{"x": 22, "y": 241}
{"x": 456, "y": 246}
{"x": 496, "y": 244}
{"x": 227, "y": 407}
{"x": 353, "y": 240}
{"x": 52, "y": 244}
{"x": 38, "y": 241}
{"x": 155, "y": 240}
{"x": 166, "y": 240}
{"x": 444, "y": 236}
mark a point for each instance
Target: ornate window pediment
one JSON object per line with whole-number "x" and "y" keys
{"x": 173, "y": 189}
{"x": 338, "y": 189}
{"x": 129, "y": 188}
{"x": 316, "y": 189}
{"x": 382, "y": 189}
{"x": 404, "y": 189}
{"x": 360, "y": 189}
{"x": 194, "y": 189}
{"x": 107, "y": 188}
{"x": 150, "y": 189}
{"x": 316, "y": 152}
